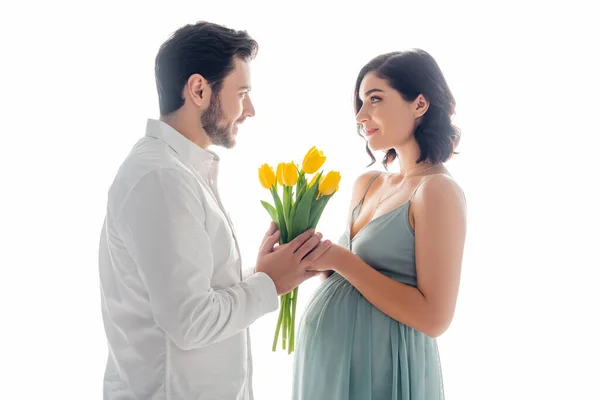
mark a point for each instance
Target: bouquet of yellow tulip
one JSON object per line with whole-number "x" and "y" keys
{"x": 301, "y": 208}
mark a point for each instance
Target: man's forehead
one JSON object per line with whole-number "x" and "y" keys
{"x": 241, "y": 68}
{"x": 239, "y": 78}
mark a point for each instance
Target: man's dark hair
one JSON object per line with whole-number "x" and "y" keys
{"x": 203, "y": 48}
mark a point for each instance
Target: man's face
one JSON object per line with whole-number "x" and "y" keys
{"x": 229, "y": 107}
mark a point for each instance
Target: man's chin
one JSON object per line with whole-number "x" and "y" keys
{"x": 231, "y": 141}
{"x": 233, "y": 132}
{"x": 228, "y": 141}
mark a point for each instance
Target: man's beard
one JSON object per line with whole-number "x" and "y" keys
{"x": 219, "y": 135}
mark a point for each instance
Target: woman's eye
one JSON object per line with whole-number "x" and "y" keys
{"x": 375, "y": 99}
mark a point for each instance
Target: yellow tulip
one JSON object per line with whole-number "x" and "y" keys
{"x": 266, "y": 176}
{"x": 289, "y": 174}
{"x": 313, "y": 160}
{"x": 279, "y": 173}
{"x": 330, "y": 183}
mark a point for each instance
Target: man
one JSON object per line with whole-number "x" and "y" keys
{"x": 175, "y": 304}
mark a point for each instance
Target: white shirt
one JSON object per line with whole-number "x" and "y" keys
{"x": 175, "y": 305}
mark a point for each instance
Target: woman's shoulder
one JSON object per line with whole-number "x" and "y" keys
{"x": 439, "y": 188}
{"x": 360, "y": 185}
{"x": 365, "y": 178}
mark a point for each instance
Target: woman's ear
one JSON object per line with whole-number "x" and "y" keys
{"x": 420, "y": 106}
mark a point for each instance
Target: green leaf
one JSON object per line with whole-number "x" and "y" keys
{"x": 302, "y": 215}
{"x": 300, "y": 185}
{"x": 290, "y": 203}
{"x": 301, "y": 192}
{"x": 271, "y": 210}
{"x": 286, "y": 205}
{"x": 295, "y": 206}
{"x": 282, "y": 225}
{"x": 314, "y": 219}
{"x": 316, "y": 206}
{"x": 292, "y": 216}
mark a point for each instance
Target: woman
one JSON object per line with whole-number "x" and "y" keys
{"x": 391, "y": 284}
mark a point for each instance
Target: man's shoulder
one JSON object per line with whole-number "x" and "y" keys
{"x": 147, "y": 157}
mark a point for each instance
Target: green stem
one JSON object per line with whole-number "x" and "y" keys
{"x": 285, "y": 321}
{"x": 291, "y": 346}
{"x": 279, "y": 321}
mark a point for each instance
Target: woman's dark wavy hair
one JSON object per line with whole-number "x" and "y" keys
{"x": 203, "y": 48}
{"x": 411, "y": 73}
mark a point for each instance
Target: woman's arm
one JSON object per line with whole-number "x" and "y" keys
{"x": 439, "y": 212}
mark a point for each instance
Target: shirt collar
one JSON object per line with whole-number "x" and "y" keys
{"x": 205, "y": 162}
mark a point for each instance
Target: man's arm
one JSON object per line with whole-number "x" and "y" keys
{"x": 162, "y": 225}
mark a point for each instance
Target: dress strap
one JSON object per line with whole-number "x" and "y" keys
{"x": 419, "y": 185}
{"x": 369, "y": 186}
{"x": 359, "y": 205}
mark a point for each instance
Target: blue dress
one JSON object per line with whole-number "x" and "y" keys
{"x": 349, "y": 350}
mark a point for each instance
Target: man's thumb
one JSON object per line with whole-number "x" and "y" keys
{"x": 269, "y": 243}
{"x": 269, "y": 232}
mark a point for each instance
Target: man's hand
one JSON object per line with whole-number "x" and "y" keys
{"x": 287, "y": 266}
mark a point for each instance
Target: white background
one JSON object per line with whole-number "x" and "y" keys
{"x": 77, "y": 86}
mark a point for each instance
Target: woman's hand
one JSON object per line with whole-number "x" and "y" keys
{"x": 329, "y": 260}
{"x": 319, "y": 264}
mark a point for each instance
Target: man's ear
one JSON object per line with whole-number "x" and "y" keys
{"x": 197, "y": 90}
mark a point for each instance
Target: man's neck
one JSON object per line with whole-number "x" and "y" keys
{"x": 189, "y": 128}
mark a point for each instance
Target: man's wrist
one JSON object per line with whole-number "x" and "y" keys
{"x": 267, "y": 293}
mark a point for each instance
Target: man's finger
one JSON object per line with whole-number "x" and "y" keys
{"x": 270, "y": 231}
{"x": 279, "y": 247}
{"x": 268, "y": 244}
{"x": 299, "y": 241}
{"x": 308, "y": 246}
{"x": 317, "y": 252}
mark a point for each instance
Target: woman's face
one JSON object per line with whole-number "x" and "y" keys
{"x": 388, "y": 121}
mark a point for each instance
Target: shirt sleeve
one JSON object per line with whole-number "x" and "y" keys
{"x": 248, "y": 272}
{"x": 162, "y": 224}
